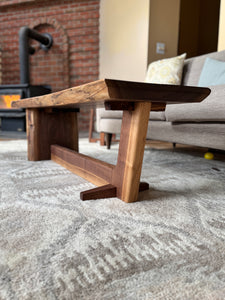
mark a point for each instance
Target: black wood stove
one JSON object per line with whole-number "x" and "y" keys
{"x": 14, "y": 119}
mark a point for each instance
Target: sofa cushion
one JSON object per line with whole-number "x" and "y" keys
{"x": 110, "y": 121}
{"x": 166, "y": 71}
{"x": 212, "y": 109}
{"x": 193, "y": 67}
{"x": 105, "y": 114}
{"x": 213, "y": 73}
{"x": 157, "y": 115}
{"x": 113, "y": 125}
{"x": 109, "y": 125}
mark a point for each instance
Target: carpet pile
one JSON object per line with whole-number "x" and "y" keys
{"x": 168, "y": 245}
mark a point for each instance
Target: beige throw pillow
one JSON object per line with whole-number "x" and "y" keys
{"x": 166, "y": 71}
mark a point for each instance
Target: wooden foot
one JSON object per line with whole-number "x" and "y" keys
{"x": 143, "y": 186}
{"x": 106, "y": 191}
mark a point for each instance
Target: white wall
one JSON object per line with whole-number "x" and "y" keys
{"x": 124, "y": 39}
{"x": 164, "y": 28}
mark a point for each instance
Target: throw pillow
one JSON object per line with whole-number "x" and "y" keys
{"x": 213, "y": 73}
{"x": 166, "y": 71}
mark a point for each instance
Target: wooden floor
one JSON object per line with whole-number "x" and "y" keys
{"x": 196, "y": 151}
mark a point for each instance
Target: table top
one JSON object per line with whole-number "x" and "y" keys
{"x": 98, "y": 92}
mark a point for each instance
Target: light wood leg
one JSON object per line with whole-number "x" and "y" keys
{"x": 47, "y": 127}
{"x": 102, "y": 138}
{"x": 91, "y": 128}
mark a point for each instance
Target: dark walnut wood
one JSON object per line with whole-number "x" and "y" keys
{"x": 115, "y": 105}
{"x": 105, "y": 191}
{"x": 45, "y": 128}
{"x": 51, "y": 119}
{"x": 96, "y": 93}
{"x": 94, "y": 170}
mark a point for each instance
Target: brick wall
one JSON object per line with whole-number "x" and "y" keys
{"x": 74, "y": 56}
{"x": 0, "y": 66}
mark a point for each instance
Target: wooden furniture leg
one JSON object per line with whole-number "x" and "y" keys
{"x": 102, "y": 139}
{"x": 46, "y": 127}
{"x": 122, "y": 180}
{"x": 108, "y": 139}
{"x": 126, "y": 175}
{"x": 91, "y": 127}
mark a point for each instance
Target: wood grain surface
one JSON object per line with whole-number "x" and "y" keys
{"x": 46, "y": 128}
{"x": 126, "y": 175}
{"x": 91, "y": 169}
{"x": 97, "y": 92}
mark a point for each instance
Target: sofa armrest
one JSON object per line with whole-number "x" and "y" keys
{"x": 103, "y": 116}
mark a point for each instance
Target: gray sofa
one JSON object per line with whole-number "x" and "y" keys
{"x": 198, "y": 124}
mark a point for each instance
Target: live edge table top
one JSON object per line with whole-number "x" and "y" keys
{"x": 52, "y": 130}
{"x": 97, "y": 92}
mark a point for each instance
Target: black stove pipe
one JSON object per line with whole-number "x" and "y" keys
{"x": 24, "y": 49}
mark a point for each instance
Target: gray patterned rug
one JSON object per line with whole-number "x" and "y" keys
{"x": 169, "y": 245}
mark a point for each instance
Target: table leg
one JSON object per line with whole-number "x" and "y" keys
{"x": 126, "y": 175}
{"x": 122, "y": 180}
{"x": 46, "y": 127}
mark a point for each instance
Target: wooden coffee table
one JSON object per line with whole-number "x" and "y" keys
{"x": 52, "y": 130}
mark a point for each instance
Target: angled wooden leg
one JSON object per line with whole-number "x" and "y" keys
{"x": 122, "y": 180}
{"x": 47, "y": 127}
{"x": 126, "y": 176}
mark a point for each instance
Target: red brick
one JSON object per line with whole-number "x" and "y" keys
{"x": 74, "y": 57}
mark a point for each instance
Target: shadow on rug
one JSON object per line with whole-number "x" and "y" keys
{"x": 168, "y": 245}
